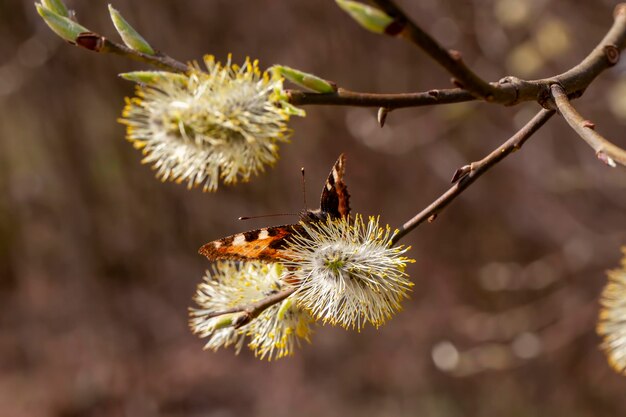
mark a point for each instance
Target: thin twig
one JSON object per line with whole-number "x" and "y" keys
{"x": 606, "y": 151}
{"x": 98, "y": 43}
{"x": 605, "y": 55}
{"x": 394, "y": 101}
{"x": 508, "y": 91}
{"x": 253, "y": 310}
{"x": 466, "y": 175}
{"x": 404, "y": 27}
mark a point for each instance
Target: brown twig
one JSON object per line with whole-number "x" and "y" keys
{"x": 508, "y": 91}
{"x": 252, "y": 310}
{"x": 466, "y": 175}
{"x": 404, "y": 27}
{"x": 98, "y": 43}
{"x": 393, "y": 101}
{"x": 605, "y": 150}
{"x": 605, "y": 55}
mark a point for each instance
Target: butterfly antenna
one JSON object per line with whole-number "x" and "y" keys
{"x": 303, "y": 188}
{"x": 265, "y": 215}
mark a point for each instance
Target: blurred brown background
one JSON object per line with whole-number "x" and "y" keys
{"x": 98, "y": 259}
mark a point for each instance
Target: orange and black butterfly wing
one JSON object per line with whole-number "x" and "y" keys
{"x": 269, "y": 244}
{"x": 335, "y": 199}
{"x": 265, "y": 244}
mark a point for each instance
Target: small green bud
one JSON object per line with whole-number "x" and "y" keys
{"x": 304, "y": 79}
{"x": 56, "y": 6}
{"x": 226, "y": 320}
{"x": 129, "y": 35}
{"x": 152, "y": 77}
{"x": 368, "y": 17}
{"x": 62, "y": 26}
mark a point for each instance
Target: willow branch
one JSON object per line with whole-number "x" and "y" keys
{"x": 252, "y": 310}
{"x": 575, "y": 80}
{"x": 98, "y": 43}
{"x": 451, "y": 60}
{"x": 605, "y": 55}
{"x": 466, "y": 175}
{"x": 350, "y": 98}
{"x": 606, "y": 151}
{"x": 508, "y": 91}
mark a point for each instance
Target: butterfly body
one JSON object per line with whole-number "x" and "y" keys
{"x": 268, "y": 243}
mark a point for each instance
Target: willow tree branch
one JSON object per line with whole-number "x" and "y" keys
{"x": 98, "y": 43}
{"x": 451, "y": 60}
{"x": 395, "y": 101}
{"x": 508, "y": 91}
{"x": 605, "y": 55}
{"x": 466, "y": 175}
{"x": 606, "y": 151}
{"x": 253, "y": 310}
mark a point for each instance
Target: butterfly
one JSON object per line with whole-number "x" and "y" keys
{"x": 267, "y": 243}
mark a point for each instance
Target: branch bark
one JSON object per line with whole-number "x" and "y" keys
{"x": 508, "y": 91}
{"x": 251, "y": 311}
{"x": 606, "y": 151}
{"x": 98, "y": 43}
{"x": 465, "y": 176}
{"x": 451, "y": 60}
{"x": 393, "y": 101}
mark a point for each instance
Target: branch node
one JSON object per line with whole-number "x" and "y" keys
{"x": 589, "y": 124}
{"x": 460, "y": 173}
{"x": 612, "y": 54}
{"x": 433, "y": 93}
{"x": 456, "y": 55}
{"x": 606, "y": 159}
{"x": 243, "y": 319}
{"x": 517, "y": 85}
{"x": 382, "y": 115}
{"x": 619, "y": 9}
{"x": 396, "y": 27}
{"x": 457, "y": 83}
{"x": 432, "y": 217}
{"x": 545, "y": 98}
{"x": 90, "y": 41}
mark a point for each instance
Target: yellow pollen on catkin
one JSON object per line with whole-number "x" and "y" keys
{"x": 222, "y": 124}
